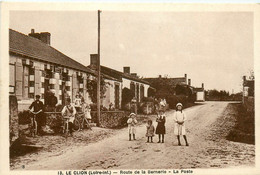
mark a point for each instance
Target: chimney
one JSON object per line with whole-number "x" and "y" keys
{"x": 185, "y": 75}
{"x": 43, "y": 36}
{"x": 189, "y": 82}
{"x": 202, "y": 85}
{"x": 127, "y": 70}
{"x": 244, "y": 78}
{"x": 93, "y": 59}
{"x": 134, "y": 74}
{"x": 160, "y": 76}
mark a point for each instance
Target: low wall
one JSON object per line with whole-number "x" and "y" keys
{"x": 13, "y": 119}
{"x": 111, "y": 119}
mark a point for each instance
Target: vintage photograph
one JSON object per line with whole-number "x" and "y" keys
{"x": 121, "y": 90}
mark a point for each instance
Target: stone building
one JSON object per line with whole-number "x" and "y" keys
{"x": 36, "y": 68}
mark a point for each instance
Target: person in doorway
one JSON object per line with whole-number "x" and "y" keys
{"x": 69, "y": 111}
{"x": 53, "y": 101}
{"x": 160, "y": 129}
{"x": 149, "y": 131}
{"x": 179, "y": 123}
{"x": 77, "y": 103}
{"x": 38, "y": 108}
{"x": 131, "y": 125}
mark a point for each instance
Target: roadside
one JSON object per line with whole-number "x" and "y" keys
{"x": 207, "y": 128}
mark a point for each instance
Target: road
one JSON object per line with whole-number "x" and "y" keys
{"x": 208, "y": 147}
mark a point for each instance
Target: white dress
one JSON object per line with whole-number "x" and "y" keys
{"x": 131, "y": 125}
{"x": 179, "y": 117}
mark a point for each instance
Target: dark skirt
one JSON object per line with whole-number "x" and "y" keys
{"x": 160, "y": 129}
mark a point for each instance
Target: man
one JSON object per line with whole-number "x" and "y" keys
{"x": 69, "y": 111}
{"x": 37, "y": 107}
{"x": 53, "y": 101}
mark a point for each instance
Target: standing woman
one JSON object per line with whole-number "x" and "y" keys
{"x": 179, "y": 125}
{"x": 160, "y": 129}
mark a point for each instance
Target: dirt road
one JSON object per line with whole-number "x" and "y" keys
{"x": 208, "y": 147}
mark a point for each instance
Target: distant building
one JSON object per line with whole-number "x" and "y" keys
{"x": 200, "y": 93}
{"x": 126, "y": 79}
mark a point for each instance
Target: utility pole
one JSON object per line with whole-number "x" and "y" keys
{"x": 98, "y": 72}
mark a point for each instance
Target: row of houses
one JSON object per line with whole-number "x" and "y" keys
{"x": 35, "y": 68}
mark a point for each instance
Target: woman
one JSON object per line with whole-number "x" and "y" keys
{"x": 160, "y": 129}
{"x": 179, "y": 123}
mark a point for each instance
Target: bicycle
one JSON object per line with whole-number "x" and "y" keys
{"x": 80, "y": 125}
{"x": 34, "y": 125}
{"x": 65, "y": 130}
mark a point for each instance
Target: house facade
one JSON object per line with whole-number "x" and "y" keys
{"x": 36, "y": 68}
{"x": 121, "y": 80}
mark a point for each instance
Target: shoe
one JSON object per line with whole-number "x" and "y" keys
{"x": 159, "y": 141}
{"x": 147, "y": 142}
{"x": 179, "y": 144}
{"x": 163, "y": 141}
{"x": 187, "y": 144}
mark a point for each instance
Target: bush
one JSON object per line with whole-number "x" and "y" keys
{"x": 127, "y": 96}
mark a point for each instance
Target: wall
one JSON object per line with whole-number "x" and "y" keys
{"x": 249, "y": 103}
{"x": 200, "y": 96}
{"x": 127, "y": 82}
{"x": 111, "y": 119}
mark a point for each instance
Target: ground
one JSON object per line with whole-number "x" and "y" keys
{"x": 208, "y": 125}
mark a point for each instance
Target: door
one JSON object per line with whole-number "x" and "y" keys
{"x": 117, "y": 96}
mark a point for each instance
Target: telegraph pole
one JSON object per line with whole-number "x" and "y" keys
{"x": 98, "y": 72}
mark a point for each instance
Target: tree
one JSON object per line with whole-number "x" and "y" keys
{"x": 92, "y": 88}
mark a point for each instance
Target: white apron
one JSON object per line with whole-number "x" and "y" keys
{"x": 131, "y": 125}
{"x": 180, "y": 117}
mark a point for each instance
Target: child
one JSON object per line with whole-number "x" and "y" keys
{"x": 77, "y": 103}
{"x": 150, "y": 131}
{"x": 179, "y": 126}
{"x": 131, "y": 125}
{"x": 160, "y": 129}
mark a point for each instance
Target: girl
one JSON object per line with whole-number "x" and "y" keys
{"x": 131, "y": 125}
{"x": 160, "y": 129}
{"x": 150, "y": 131}
{"x": 77, "y": 103}
{"x": 179, "y": 126}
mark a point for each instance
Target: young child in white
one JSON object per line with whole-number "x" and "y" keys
{"x": 179, "y": 124}
{"x": 131, "y": 125}
{"x": 150, "y": 130}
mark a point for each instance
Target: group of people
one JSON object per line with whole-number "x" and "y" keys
{"x": 179, "y": 126}
{"x": 69, "y": 110}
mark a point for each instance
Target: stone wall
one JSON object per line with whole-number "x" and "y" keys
{"x": 111, "y": 119}
{"x": 13, "y": 119}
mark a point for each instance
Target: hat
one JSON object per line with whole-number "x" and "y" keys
{"x": 178, "y": 104}
{"x": 132, "y": 114}
{"x": 37, "y": 96}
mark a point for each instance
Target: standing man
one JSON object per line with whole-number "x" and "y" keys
{"x": 37, "y": 107}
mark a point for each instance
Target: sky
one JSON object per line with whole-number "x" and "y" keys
{"x": 214, "y": 48}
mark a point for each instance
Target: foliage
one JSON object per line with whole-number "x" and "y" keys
{"x": 127, "y": 96}
{"x": 92, "y": 88}
{"x": 222, "y": 95}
